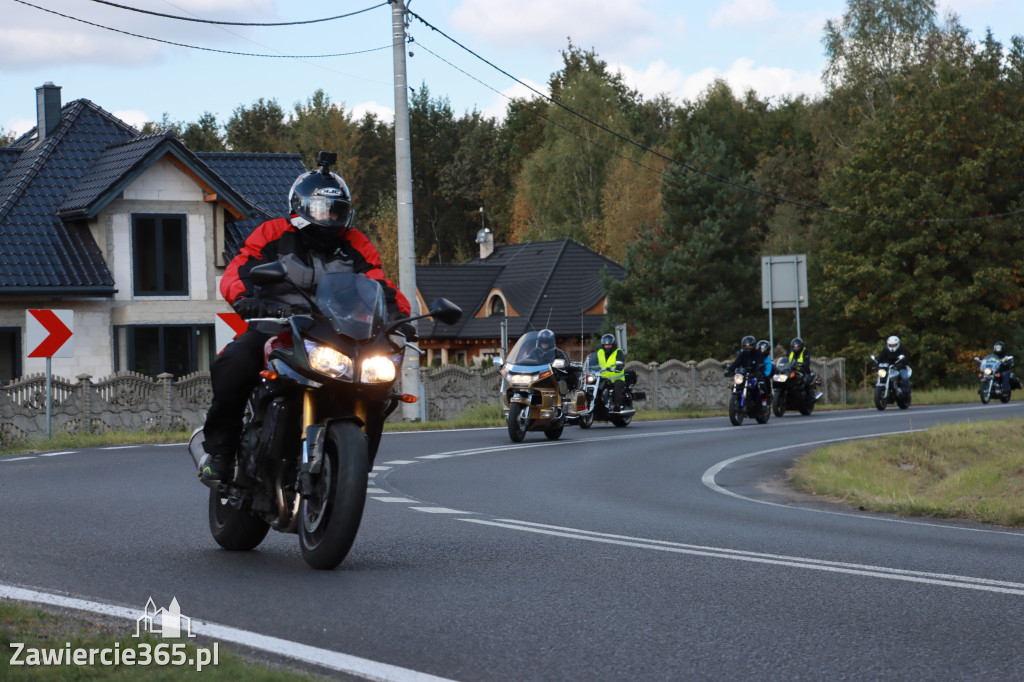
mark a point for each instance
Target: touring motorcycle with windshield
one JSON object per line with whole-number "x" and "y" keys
{"x": 889, "y": 387}
{"x": 990, "y": 377}
{"x": 537, "y": 395}
{"x": 313, "y": 424}
{"x": 600, "y": 400}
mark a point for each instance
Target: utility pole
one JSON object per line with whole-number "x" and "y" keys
{"x": 403, "y": 173}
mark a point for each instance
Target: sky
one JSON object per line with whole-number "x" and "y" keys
{"x": 662, "y": 47}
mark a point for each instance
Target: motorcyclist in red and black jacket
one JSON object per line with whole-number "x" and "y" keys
{"x": 317, "y": 237}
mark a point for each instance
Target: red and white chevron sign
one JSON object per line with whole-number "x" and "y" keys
{"x": 50, "y": 333}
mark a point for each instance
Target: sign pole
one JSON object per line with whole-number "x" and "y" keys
{"x": 49, "y": 398}
{"x": 771, "y": 301}
{"x": 796, "y": 272}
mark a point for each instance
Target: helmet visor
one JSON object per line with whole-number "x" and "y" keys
{"x": 329, "y": 211}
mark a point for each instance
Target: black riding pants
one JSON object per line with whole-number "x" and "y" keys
{"x": 235, "y": 372}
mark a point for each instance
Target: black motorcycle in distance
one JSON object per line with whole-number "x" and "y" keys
{"x": 313, "y": 425}
{"x": 793, "y": 390}
{"x": 888, "y": 386}
{"x": 747, "y": 399}
{"x": 990, "y": 378}
{"x": 600, "y": 399}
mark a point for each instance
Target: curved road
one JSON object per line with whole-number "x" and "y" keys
{"x": 664, "y": 551}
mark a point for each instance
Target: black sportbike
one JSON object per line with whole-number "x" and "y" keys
{"x": 313, "y": 425}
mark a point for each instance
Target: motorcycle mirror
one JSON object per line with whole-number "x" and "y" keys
{"x": 559, "y": 363}
{"x": 619, "y": 365}
{"x": 874, "y": 358}
{"x": 497, "y": 361}
{"x": 269, "y": 273}
{"x": 444, "y": 311}
{"x": 977, "y": 359}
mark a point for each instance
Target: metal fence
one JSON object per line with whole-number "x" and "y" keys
{"x": 127, "y": 401}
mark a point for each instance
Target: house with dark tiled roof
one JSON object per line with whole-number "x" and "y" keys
{"x": 130, "y": 232}
{"x": 554, "y": 284}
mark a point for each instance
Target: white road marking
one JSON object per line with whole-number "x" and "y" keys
{"x": 942, "y": 579}
{"x": 14, "y": 459}
{"x": 708, "y": 479}
{"x": 379, "y": 467}
{"x": 401, "y": 461}
{"x": 439, "y": 510}
{"x": 333, "y": 660}
{"x": 376, "y": 491}
{"x": 119, "y": 447}
{"x": 394, "y": 499}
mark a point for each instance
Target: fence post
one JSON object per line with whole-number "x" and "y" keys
{"x": 165, "y": 419}
{"x": 83, "y": 386}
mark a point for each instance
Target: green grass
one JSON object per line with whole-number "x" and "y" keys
{"x": 969, "y": 471}
{"x": 40, "y": 629}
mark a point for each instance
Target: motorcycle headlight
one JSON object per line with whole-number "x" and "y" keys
{"x": 520, "y": 379}
{"x": 591, "y": 379}
{"x": 378, "y": 369}
{"x": 738, "y": 379}
{"x": 780, "y": 378}
{"x": 881, "y": 374}
{"x": 327, "y": 360}
{"x": 988, "y": 370}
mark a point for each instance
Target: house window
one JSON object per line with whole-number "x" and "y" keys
{"x": 178, "y": 349}
{"x": 496, "y": 306}
{"x": 159, "y": 260}
{"x": 10, "y": 354}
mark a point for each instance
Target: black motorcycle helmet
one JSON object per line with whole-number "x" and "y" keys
{"x": 998, "y": 347}
{"x": 322, "y": 200}
{"x": 797, "y": 345}
{"x": 747, "y": 342}
{"x": 608, "y": 340}
{"x": 546, "y": 339}
{"x": 764, "y": 346}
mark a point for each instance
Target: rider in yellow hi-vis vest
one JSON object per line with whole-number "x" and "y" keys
{"x": 607, "y": 355}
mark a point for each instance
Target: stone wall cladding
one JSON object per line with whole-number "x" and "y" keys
{"x": 127, "y": 401}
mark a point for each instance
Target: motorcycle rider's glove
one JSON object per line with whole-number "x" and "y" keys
{"x": 408, "y": 330}
{"x": 248, "y": 307}
{"x": 726, "y": 373}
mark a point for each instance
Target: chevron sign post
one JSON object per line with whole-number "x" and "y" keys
{"x": 49, "y": 334}
{"x": 227, "y": 327}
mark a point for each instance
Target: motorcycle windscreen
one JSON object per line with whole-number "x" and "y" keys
{"x": 525, "y": 352}
{"x": 990, "y": 362}
{"x": 353, "y": 303}
{"x": 591, "y": 365}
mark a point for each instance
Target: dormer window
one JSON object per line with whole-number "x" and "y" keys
{"x": 496, "y": 306}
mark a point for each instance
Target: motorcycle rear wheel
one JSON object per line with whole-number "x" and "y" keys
{"x": 903, "y": 401}
{"x": 808, "y": 406}
{"x": 329, "y": 518}
{"x": 735, "y": 411}
{"x": 621, "y": 421}
{"x": 764, "y": 415}
{"x": 517, "y": 422}
{"x": 235, "y": 529}
{"x": 1005, "y": 398}
{"x": 880, "y": 399}
{"x": 555, "y": 433}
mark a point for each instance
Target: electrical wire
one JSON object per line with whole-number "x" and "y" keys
{"x": 712, "y": 176}
{"x": 236, "y": 23}
{"x": 208, "y": 49}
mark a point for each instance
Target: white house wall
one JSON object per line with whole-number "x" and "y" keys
{"x": 163, "y": 188}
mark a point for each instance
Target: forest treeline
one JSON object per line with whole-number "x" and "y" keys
{"x": 902, "y": 183}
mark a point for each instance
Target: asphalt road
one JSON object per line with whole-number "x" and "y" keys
{"x": 667, "y": 550}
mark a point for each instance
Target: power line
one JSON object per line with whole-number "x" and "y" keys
{"x": 746, "y": 188}
{"x": 208, "y": 49}
{"x": 236, "y": 23}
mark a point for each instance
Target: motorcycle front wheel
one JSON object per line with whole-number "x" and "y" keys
{"x": 735, "y": 411}
{"x": 517, "y": 421}
{"x": 880, "y": 399}
{"x": 235, "y": 529}
{"x": 778, "y": 404}
{"x": 587, "y": 420}
{"x": 329, "y": 518}
{"x": 985, "y": 392}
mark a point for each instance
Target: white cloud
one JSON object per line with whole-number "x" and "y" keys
{"x": 621, "y": 27}
{"x": 384, "y": 113}
{"x": 744, "y": 13}
{"x": 133, "y": 117}
{"x": 19, "y": 126}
